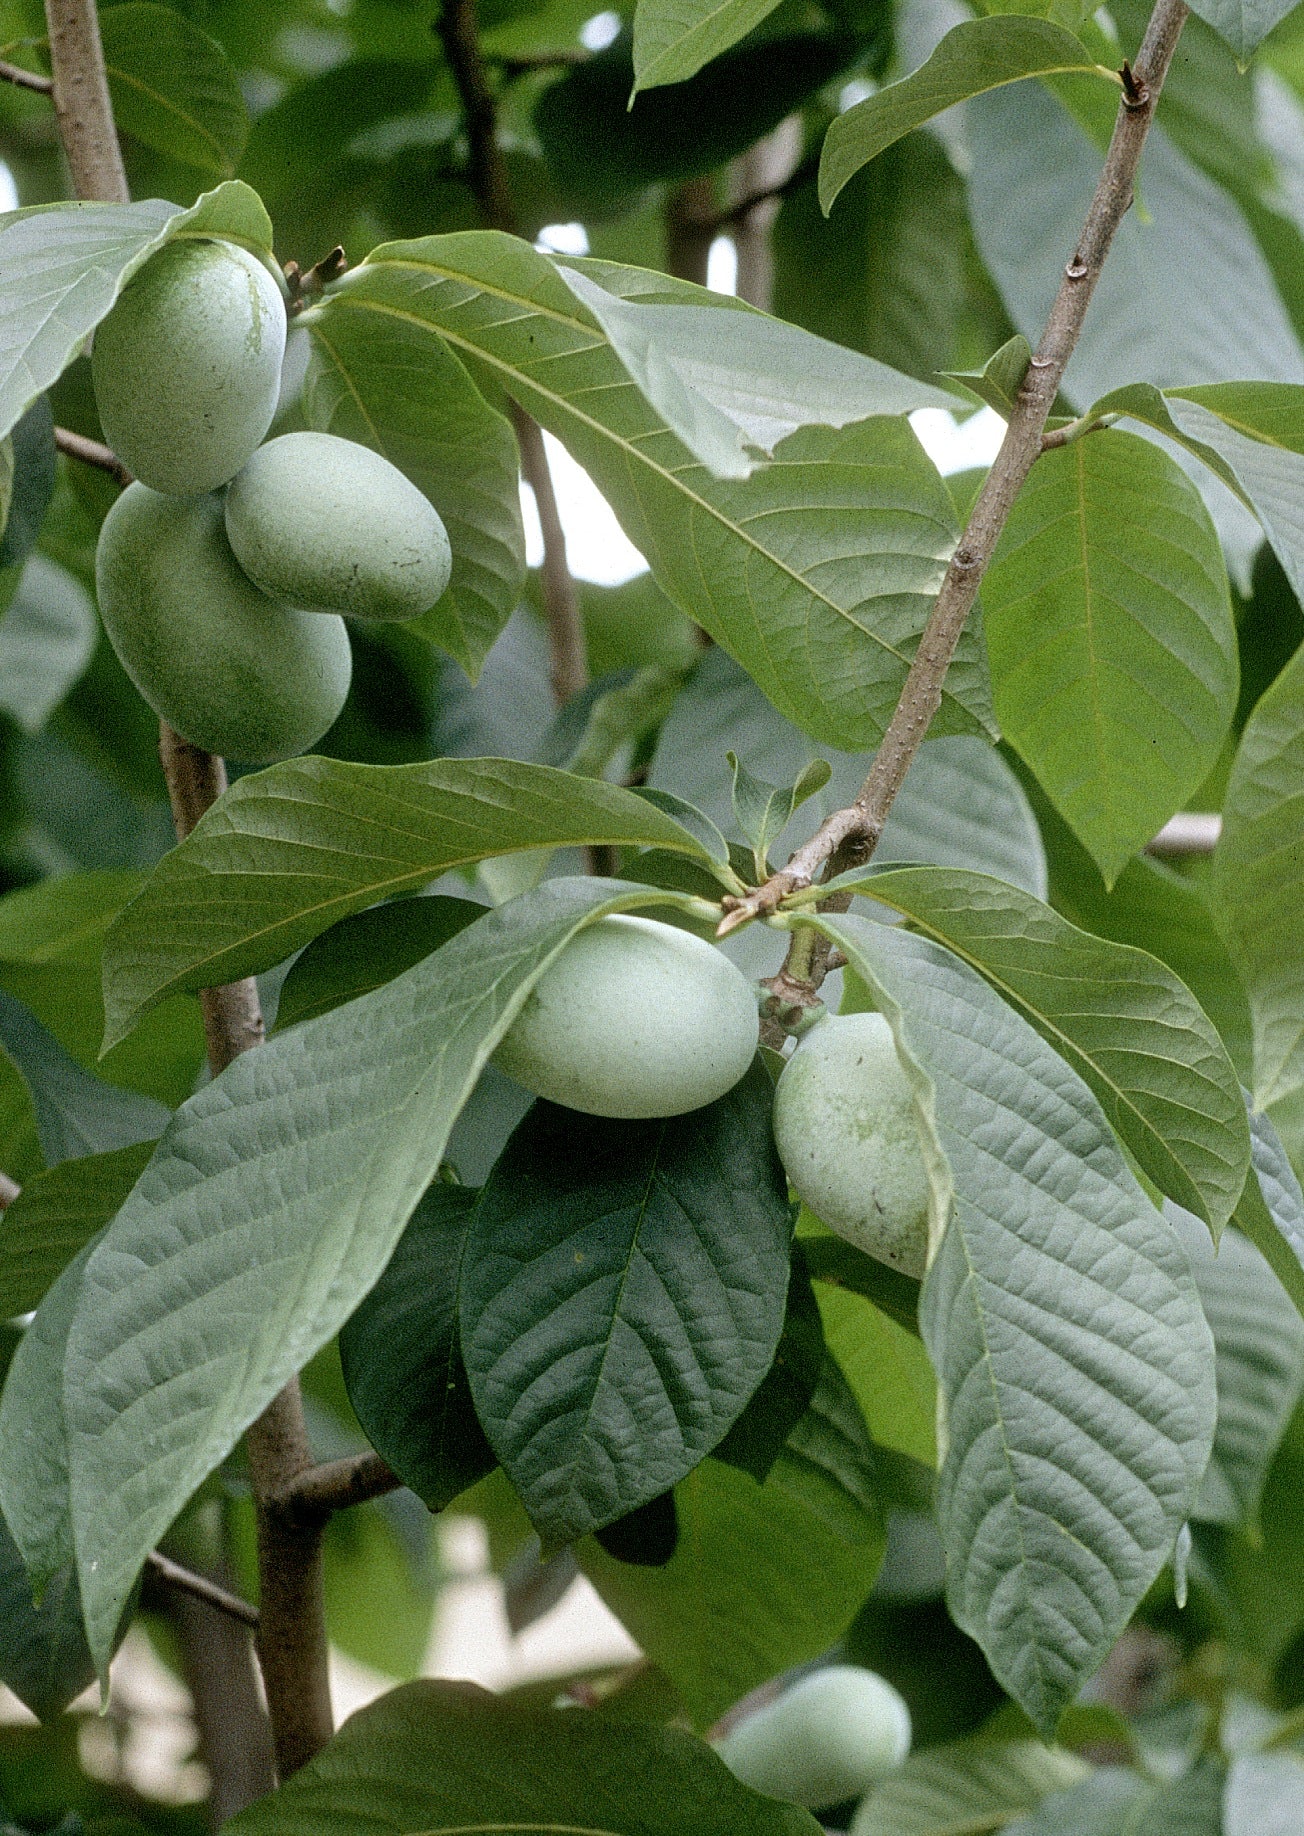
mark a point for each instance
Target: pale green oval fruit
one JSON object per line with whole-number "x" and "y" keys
{"x": 635, "y": 1018}
{"x": 828, "y": 1738}
{"x": 229, "y": 668}
{"x": 846, "y": 1132}
{"x": 187, "y": 366}
{"x": 325, "y": 522}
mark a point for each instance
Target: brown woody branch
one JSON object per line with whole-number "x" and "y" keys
{"x": 849, "y": 837}
{"x": 315, "y": 1496}
{"x": 25, "y": 79}
{"x": 92, "y": 452}
{"x": 175, "y": 1575}
{"x": 459, "y": 30}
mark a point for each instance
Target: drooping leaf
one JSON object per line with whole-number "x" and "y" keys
{"x": 828, "y": 641}
{"x": 47, "y": 636}
{"x": 1258, "y": 878}
{"x": 367, "y": 950}
{"x": 403, "y": 1362}
{"x": 27, "y": 469}
{"x": 43, "y": 1655}
{"x": 1244, "y": 24}
{"x": 961, "y": 805}
{"x": 68, "y": 263}
{"x": 434, "y": 1758}
{"x": 1109, "y": 628}
{"x": 622, "y": 1296}
{"x": 979, "y": 55}
{"x": 288, "y": 851}
{"x": 1258, "y": 1336}
{"x": 270, "y": 1209}
{"x": 1069, "y": 1401}
{"x": 173, "y": 88}
{"x": 966, "y": 1786}
{"x": 763, "y": 1576}
{"x": 76, "y": 1113}
{"x": 55, "y": 1216}
{"x": 1186, "y": 295}
{"x": 732, "y": 385}
{"x": 389, "y": 385}
{"x": 1121, "y": 1019}
{"x": 674, "y": 38}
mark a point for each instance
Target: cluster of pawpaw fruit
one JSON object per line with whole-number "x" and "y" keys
{"x": 223, "y": 570}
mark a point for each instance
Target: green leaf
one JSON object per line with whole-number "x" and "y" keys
{"x": 1258, "y": 880}
{"x": 979, "y": 55}
{"x": 76, "y": 1114}
{"x": 1109, "y": 628}
{"x": 56, "y": 1215}
{"x": 888, "y": 1371}
{"x": 1001, "y": 377}
{"x": 961, "y": 804}
{"x": 272, "y": 1205}
{"x": 366, "y": 951}
{"x": 1062, "y": 1319}
{"x": 390, "y": 386}
{"x": 1259, "y": 1339}
{"x": 48, "y": 636}
{"x": 763, "y": 1576}
{"x": 290, "y": 850}
{"x": 1271, "y": 1208}
{"x": 172, "y": 87}
{"x": 733, "y": 384}
{"x": 828, "y": 640}
{"x": 763, "y": 811}
{"x": 68, "y": 263}
{"x": 1115, "y": 1802}
{"x": 622, "y": 1296}
{"x": 784, "y": 1395}
{"x": 1124, "y": 1022}
{"x": 674, "y": 38}
{"x": 403, "y": 1362}
{"x": 442, "y": 1758}
{"x": 43, "y": 1655}
{"x": 968, "y": 1786}
{"x": 888, "y": 278}
{"x": 1243, "y": 24}
{"x": 27, "y": 472}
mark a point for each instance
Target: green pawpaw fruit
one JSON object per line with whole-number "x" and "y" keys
{"x": 828, "y": 1738}
{"x": 845, "y": 1127}
{"x": 187, "y": 366}
{"x": 325, "y": 522}
{"x": 232, "y": 670}
{"x": 635, "y": 1018}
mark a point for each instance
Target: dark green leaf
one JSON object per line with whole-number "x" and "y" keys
{"x": 622, "y": 1297}
{"x": 367, "y": 950}
{"x": 288, "y": 851}
{"x": 759, "y": 1435}
{"x": 979, "y": 55}
{"x": 1244, "y": 24}
{"x": 55, "y": 1216}
{"x": 674, "y": 38}
{"x": 172, "y": 87}
{"x": 441, "y": 1758}
{"x": 402, "y": 1362}
{"x": 648, "y": 1537}
{"x": 32, "y": 462}
{"x": 76, "y": 1114}
{"x": 43, "y": 1655}
{"x": 47, "y": 636}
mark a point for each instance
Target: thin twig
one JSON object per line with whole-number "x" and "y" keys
{"x": 850, "y": 835}
{"x": 766, "y": 194}
{"x": 201, "y": 1587}
{"x": 459, "y": 30}
{"x": 91, "y": 452}
{"x": 26, "y": 79}
{"x": 333, "y": 1486}
{"x": 523, "y": 63}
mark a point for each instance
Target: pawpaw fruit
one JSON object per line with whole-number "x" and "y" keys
{"x": 187, "y": 366}
{"x": 845, "y": 1128}
{"x": 634, "y": 1018}
{"x": 325, "y": 522}
{"x": 826, "y": 1739}
{"x": 232, "y": 670}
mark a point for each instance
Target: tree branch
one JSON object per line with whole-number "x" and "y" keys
{"x": 320, "y": 1491}
{"x": 25, "y": 79}
{"x": 292, "y": 1625}
{"x": 459, "y": 30}
{"x": 850, "y": 835}
{"x": 201, "y": 1587}
{"x": 91, "y": 452}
